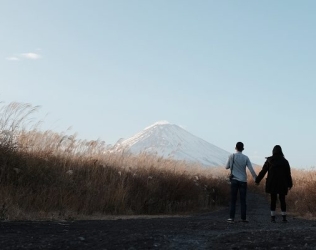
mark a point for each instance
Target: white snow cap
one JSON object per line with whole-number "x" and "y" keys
{"x": 171, "y": 141}
{"x": 163, "y": 122}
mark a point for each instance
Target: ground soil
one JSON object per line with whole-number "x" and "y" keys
{"x": 202, "y": 231}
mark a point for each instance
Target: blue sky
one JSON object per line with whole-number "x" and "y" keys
{"x": 226, "y": 71}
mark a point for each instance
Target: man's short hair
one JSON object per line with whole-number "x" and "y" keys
{"x": 239, "y": 146}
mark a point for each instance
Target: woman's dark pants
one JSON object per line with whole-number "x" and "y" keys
{"x": 274, "y": 200}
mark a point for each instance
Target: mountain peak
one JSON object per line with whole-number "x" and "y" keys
{"x": 158, "y": 124}
{"x": 172, "y": 141}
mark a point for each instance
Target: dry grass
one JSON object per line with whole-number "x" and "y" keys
{"x": 302, "y": 197}
{"x": 47, "y": 175}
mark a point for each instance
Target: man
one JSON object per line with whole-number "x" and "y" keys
{"x": 238, "y": 163}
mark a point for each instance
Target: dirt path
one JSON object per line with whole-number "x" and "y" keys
{"x": 206, "y": 231}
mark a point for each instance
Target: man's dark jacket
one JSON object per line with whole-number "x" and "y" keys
{"x": 279, "y": 178}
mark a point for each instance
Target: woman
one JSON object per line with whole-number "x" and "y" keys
{"x": 278, "y": 181}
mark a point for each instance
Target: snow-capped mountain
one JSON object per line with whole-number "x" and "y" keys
{"x": 171, "y": 141}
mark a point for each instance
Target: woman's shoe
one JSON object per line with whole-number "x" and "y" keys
{"x": 273, "y": 219}
{"x": 284, "y": 219}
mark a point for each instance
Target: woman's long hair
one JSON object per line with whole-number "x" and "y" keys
{"x": 277, "y": 151}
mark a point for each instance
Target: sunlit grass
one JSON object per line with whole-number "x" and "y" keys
{"x": 44, "y": 174}
{"x": 49, "y": 175}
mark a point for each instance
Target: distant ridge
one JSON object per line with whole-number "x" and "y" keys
{"x": 172, "y": 141}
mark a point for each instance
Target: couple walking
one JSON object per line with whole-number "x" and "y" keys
{"x": 278, "y": 181}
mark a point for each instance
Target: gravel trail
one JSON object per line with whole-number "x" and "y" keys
{"x": 202, "y": 231}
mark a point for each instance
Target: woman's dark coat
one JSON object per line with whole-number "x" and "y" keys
{"x": 279, "y": 178}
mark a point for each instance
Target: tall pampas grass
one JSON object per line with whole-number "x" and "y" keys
{"x": 49, "y": 175}
{"x": 44, "y": 174}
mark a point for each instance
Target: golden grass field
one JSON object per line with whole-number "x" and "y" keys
{"x": 49, "y": 175}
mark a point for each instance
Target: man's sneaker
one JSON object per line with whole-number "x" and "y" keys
{"x": 230, "y": 220}
{"x": 245, "y": 221}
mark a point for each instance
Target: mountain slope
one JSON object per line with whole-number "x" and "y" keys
{"x": 171, "y": 141}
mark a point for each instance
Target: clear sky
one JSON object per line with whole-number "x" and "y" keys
{"x": 226, "y": 71}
